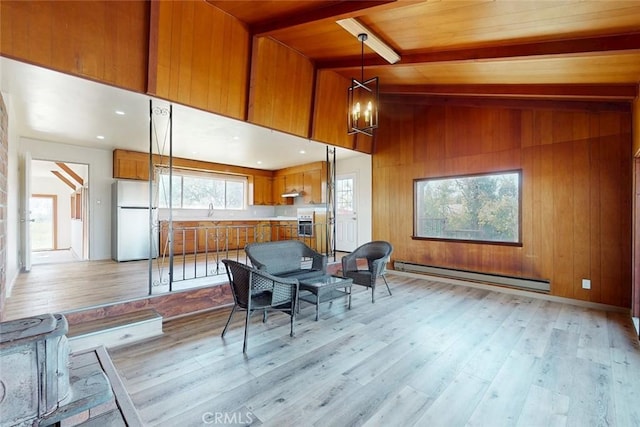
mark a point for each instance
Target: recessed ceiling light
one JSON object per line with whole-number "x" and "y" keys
{"x": 302, "y": 152}
{"x": 259, "y": 162}
{"x": 100, "y": 136}
{"x": 120, "y": 113}
{"x": 235, "y": 138}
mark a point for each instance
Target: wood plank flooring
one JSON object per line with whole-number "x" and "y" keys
{"x": 433, "y": 354}
{"x": 55, "y": 288}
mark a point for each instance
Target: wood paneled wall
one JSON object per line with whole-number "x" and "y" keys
{"x": 330, "y": 113}
{"x": 281, "y": 88}
{"x": 199, "y": 56}
{"x": 330, "y": 109}
{"x": 101, "y": 40}
{"x": 576, "y": 188}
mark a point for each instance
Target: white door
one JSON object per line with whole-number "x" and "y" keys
{"x": 26, "y": 212}
{"x": 346, "y": 215}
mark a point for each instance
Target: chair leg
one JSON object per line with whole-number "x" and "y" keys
{"x": 373, "y": 294}
{"x": 246, "y": 332}
{"x": 293, "y": 320}
{"x": 224, "y": 331}
{"x": 385, "y": 282}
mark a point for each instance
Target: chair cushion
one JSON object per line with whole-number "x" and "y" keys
{"x": 301, "y": 273}
{"x": 360, "y": 277}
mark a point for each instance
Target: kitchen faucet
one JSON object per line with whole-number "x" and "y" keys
{"x": 210, "y": 213}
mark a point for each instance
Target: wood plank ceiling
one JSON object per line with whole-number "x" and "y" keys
{"x": 562, "y": 49}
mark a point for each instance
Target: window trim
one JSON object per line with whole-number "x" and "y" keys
{"x": 517, "y": 243}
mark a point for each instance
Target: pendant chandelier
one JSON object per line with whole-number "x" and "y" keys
{"x": 362, "y": 98}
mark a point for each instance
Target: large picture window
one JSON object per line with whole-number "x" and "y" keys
{"x": 484, "y": 208}
{"x": 202, "y": 191}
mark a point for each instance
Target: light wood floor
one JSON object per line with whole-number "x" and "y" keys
{"x": 59, "y": 287}
{"x": 433, "y": 354}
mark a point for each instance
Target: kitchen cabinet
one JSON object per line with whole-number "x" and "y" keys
{"x": 309, "y": 180}
{"x": 184, "y": 237}
{"x": 312, "y": 187}
{"x": 279, "y": 187}
{"x": 130, "y": 165}
{"x": 238, "y": 233}
{"x": 284, "y": 230}
{"x": 262, "y": 190}
{"x": 190, "y": 237}
{"x": 293, "y": 182}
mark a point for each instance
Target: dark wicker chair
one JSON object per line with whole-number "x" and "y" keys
{"x": 377, "y": 254}
{"x": 267, "y": 293}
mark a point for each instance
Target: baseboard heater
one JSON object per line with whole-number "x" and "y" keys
{"x": 537, "y": 285}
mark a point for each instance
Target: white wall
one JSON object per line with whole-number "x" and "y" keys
{"x": 100, "y": 179}
{"x": 13, "y": 202}
{"x": 361, "y": 167}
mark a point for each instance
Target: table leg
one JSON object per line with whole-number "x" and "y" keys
{"x": 317, "y": 306}
{"x": 349, "y": 297}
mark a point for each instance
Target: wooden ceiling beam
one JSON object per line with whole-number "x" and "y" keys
{"x": 71, "y": 173}
{"x": 620, "y": 42}
{"x": 506, "y": 102}
{"x": 64, "y": 179}
{"x": 623, "y": 92}
{"x": 344, "y": 9}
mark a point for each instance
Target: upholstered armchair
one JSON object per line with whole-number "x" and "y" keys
{"x": 377, "y": 255}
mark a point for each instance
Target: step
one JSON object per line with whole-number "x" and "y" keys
{"x": 114, "y": 331}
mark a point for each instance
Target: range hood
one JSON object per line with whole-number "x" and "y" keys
{"x": 292, "y": 193}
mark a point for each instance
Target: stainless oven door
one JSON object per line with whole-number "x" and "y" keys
{"x": 305, "y": 228}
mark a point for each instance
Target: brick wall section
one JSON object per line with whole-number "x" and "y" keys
{"x": 4, "y": 153}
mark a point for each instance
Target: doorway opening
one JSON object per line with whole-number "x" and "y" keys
{"x": 58, "y": 221}
{"x": 44, "y": 216}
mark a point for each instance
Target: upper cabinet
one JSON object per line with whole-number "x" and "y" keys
{"x": 293, "y": 182}
{"x": 279, "y": 188}
{"x": 312, "y": 189}
{"x": 261, "y": 190}
{"x": 199, "y": 56}
{"x": 130, "y": 165}
{"x": 310, "y": 180}
{"x": 265, "y": 187}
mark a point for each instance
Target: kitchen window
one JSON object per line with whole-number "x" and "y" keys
{"x": 201, "y": 190}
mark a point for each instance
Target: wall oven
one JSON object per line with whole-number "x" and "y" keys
{"x": 305, "y": 223}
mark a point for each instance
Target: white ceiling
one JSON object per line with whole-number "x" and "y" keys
{"x": 52, "y": 106}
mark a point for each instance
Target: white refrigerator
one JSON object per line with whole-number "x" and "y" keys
{"x": 130, "y": 221}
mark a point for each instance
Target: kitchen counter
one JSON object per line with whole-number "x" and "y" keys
{"x": 210, "y": 219}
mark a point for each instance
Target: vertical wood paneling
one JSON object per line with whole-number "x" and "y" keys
{"x": 594, "y": 209}
{"x": 531, "y": 218}
{"x": 582, "y": 194}
{"x": 186, "y": 55}
{"x": 546, "y": 206}
{"x": 576, "y": 189}
{"x": 562, "y": 217}
{"x": 101, "y": 40}
{"x": 611, "y": 239}
{"x": 330, "y": 111}
{"x": 202, "y": 57}
{"x": 281, "y": 88}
